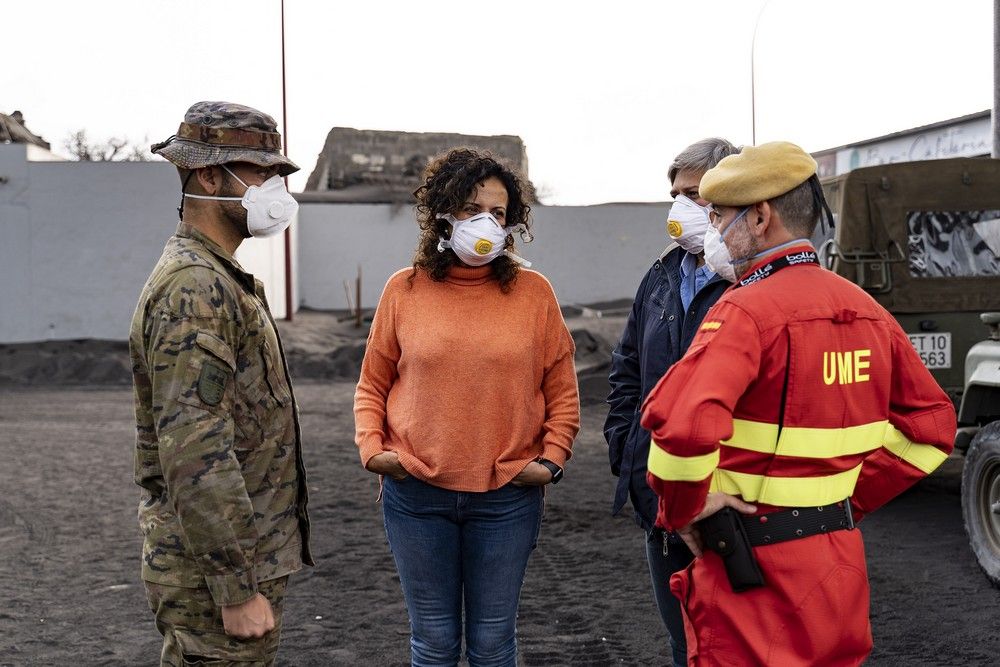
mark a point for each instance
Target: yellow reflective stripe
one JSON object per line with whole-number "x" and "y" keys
{"x": 923, "y": 457}
{"x": 710, "y": 326}
{"x": 681, "y": 468}
{"x": 812, "y": 443}
{"x": 828, "y": 443}
{"x": 755, "y": 436}
{"x": 787, "y": 491}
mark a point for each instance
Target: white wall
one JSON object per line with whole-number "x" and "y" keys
{"x": 15, "y": 245}
{"x": 265, "y": 259}
{"x": 589, "y": 253}
{"x": 78, "y": 240}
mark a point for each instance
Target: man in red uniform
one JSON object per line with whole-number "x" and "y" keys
{"x": 802, "y": 396}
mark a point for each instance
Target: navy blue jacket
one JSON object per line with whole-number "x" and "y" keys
{"x": 656, "y": 335}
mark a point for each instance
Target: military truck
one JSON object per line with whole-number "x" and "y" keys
{"x": 924, "y": 239}
{"x": 979, "y": 426}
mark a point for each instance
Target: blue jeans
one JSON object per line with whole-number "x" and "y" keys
{"x": 661, "y": 566}
{"x": 452, "y": 548}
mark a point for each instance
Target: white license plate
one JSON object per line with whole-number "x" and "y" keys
{"x": 934, "y": 349}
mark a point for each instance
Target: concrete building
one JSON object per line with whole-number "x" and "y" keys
{"x": 13, "y": 131}
{"x": 78, "y": 239}
{"x": 966, "y": 136}
{"x": 590, "y": 254}
{"x": 372, "y": 166}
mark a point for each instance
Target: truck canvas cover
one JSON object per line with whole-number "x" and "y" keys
{"x": 936, "y": 222}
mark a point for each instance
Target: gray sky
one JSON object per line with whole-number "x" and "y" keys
{"x": 604, "y": 94}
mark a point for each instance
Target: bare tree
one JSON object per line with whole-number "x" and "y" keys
{"x": 115, "y": 149}
{"x": 543, "y": 193}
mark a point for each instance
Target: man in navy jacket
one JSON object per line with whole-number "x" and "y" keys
{"x": 672, "y": 299}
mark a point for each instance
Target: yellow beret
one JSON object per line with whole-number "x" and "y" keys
{"x": 757, "y": 174}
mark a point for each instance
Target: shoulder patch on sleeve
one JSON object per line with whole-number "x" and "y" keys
{"x": 710, "y": 325}
{"x": 212, "y": 382}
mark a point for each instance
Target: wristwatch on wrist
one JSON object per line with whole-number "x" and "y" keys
{"x": 556, "y": 471}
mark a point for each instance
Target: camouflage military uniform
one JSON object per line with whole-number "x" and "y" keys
{"x": 190, "y": 622}
{"x": 218, "y": 450}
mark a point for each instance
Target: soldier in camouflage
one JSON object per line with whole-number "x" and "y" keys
{"x": 218, "y": 448}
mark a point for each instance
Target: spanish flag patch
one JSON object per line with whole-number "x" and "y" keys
{"x": 710, "y": 326}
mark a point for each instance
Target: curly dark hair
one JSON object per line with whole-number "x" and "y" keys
{"x": 449, "y": 180}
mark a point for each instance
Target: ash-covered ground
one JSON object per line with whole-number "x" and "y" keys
{"x": 69, "y": 545}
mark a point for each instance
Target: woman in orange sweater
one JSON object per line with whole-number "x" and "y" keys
{"x": 468, "y": 406}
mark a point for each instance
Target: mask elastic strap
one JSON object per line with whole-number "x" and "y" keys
{"x": 522, "y": 230}
{"x": 180, "y": 209}
{"x": 444, "y": 243}
{"x": 214, "y": 198}
{"x": 821, "y": 203}
{"x": 517, "y": 259}
{"x": 742, "y": 213}
{"x": 238, "y": 179}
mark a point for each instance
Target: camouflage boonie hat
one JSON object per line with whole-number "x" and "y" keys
{"x": 219, "y": 132}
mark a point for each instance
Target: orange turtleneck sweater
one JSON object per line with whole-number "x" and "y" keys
{"x": 465, "y": 383}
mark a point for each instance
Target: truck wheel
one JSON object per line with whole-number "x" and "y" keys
{"x": 981, "y": 499}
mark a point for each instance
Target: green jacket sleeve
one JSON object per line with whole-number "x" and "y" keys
{"x": 193, "y": 340}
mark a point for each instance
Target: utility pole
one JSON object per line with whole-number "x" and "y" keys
{"x": 995, "y": 116}
{"x": 753, "y": 75}
{"x": 289, "y": 306}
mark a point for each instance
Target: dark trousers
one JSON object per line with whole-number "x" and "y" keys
{"x": 661, "y": 567}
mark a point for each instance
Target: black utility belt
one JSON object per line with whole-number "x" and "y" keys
{"x": 731, "y": 535}
{"x": 797, "y": 523}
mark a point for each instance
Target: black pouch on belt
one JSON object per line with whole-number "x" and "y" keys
{"x": 723, "y": 533}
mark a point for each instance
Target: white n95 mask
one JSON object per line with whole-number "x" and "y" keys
{"x": 687, "y": 223}
{"x": 717, "y": 255}
{"x": 478, "y": 240}
{"x": 270, "y": 207}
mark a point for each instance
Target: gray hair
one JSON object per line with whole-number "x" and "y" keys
{"x": 701, "y": 156}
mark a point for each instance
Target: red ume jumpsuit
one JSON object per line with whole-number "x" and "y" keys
{"x": 798, "y": 391}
